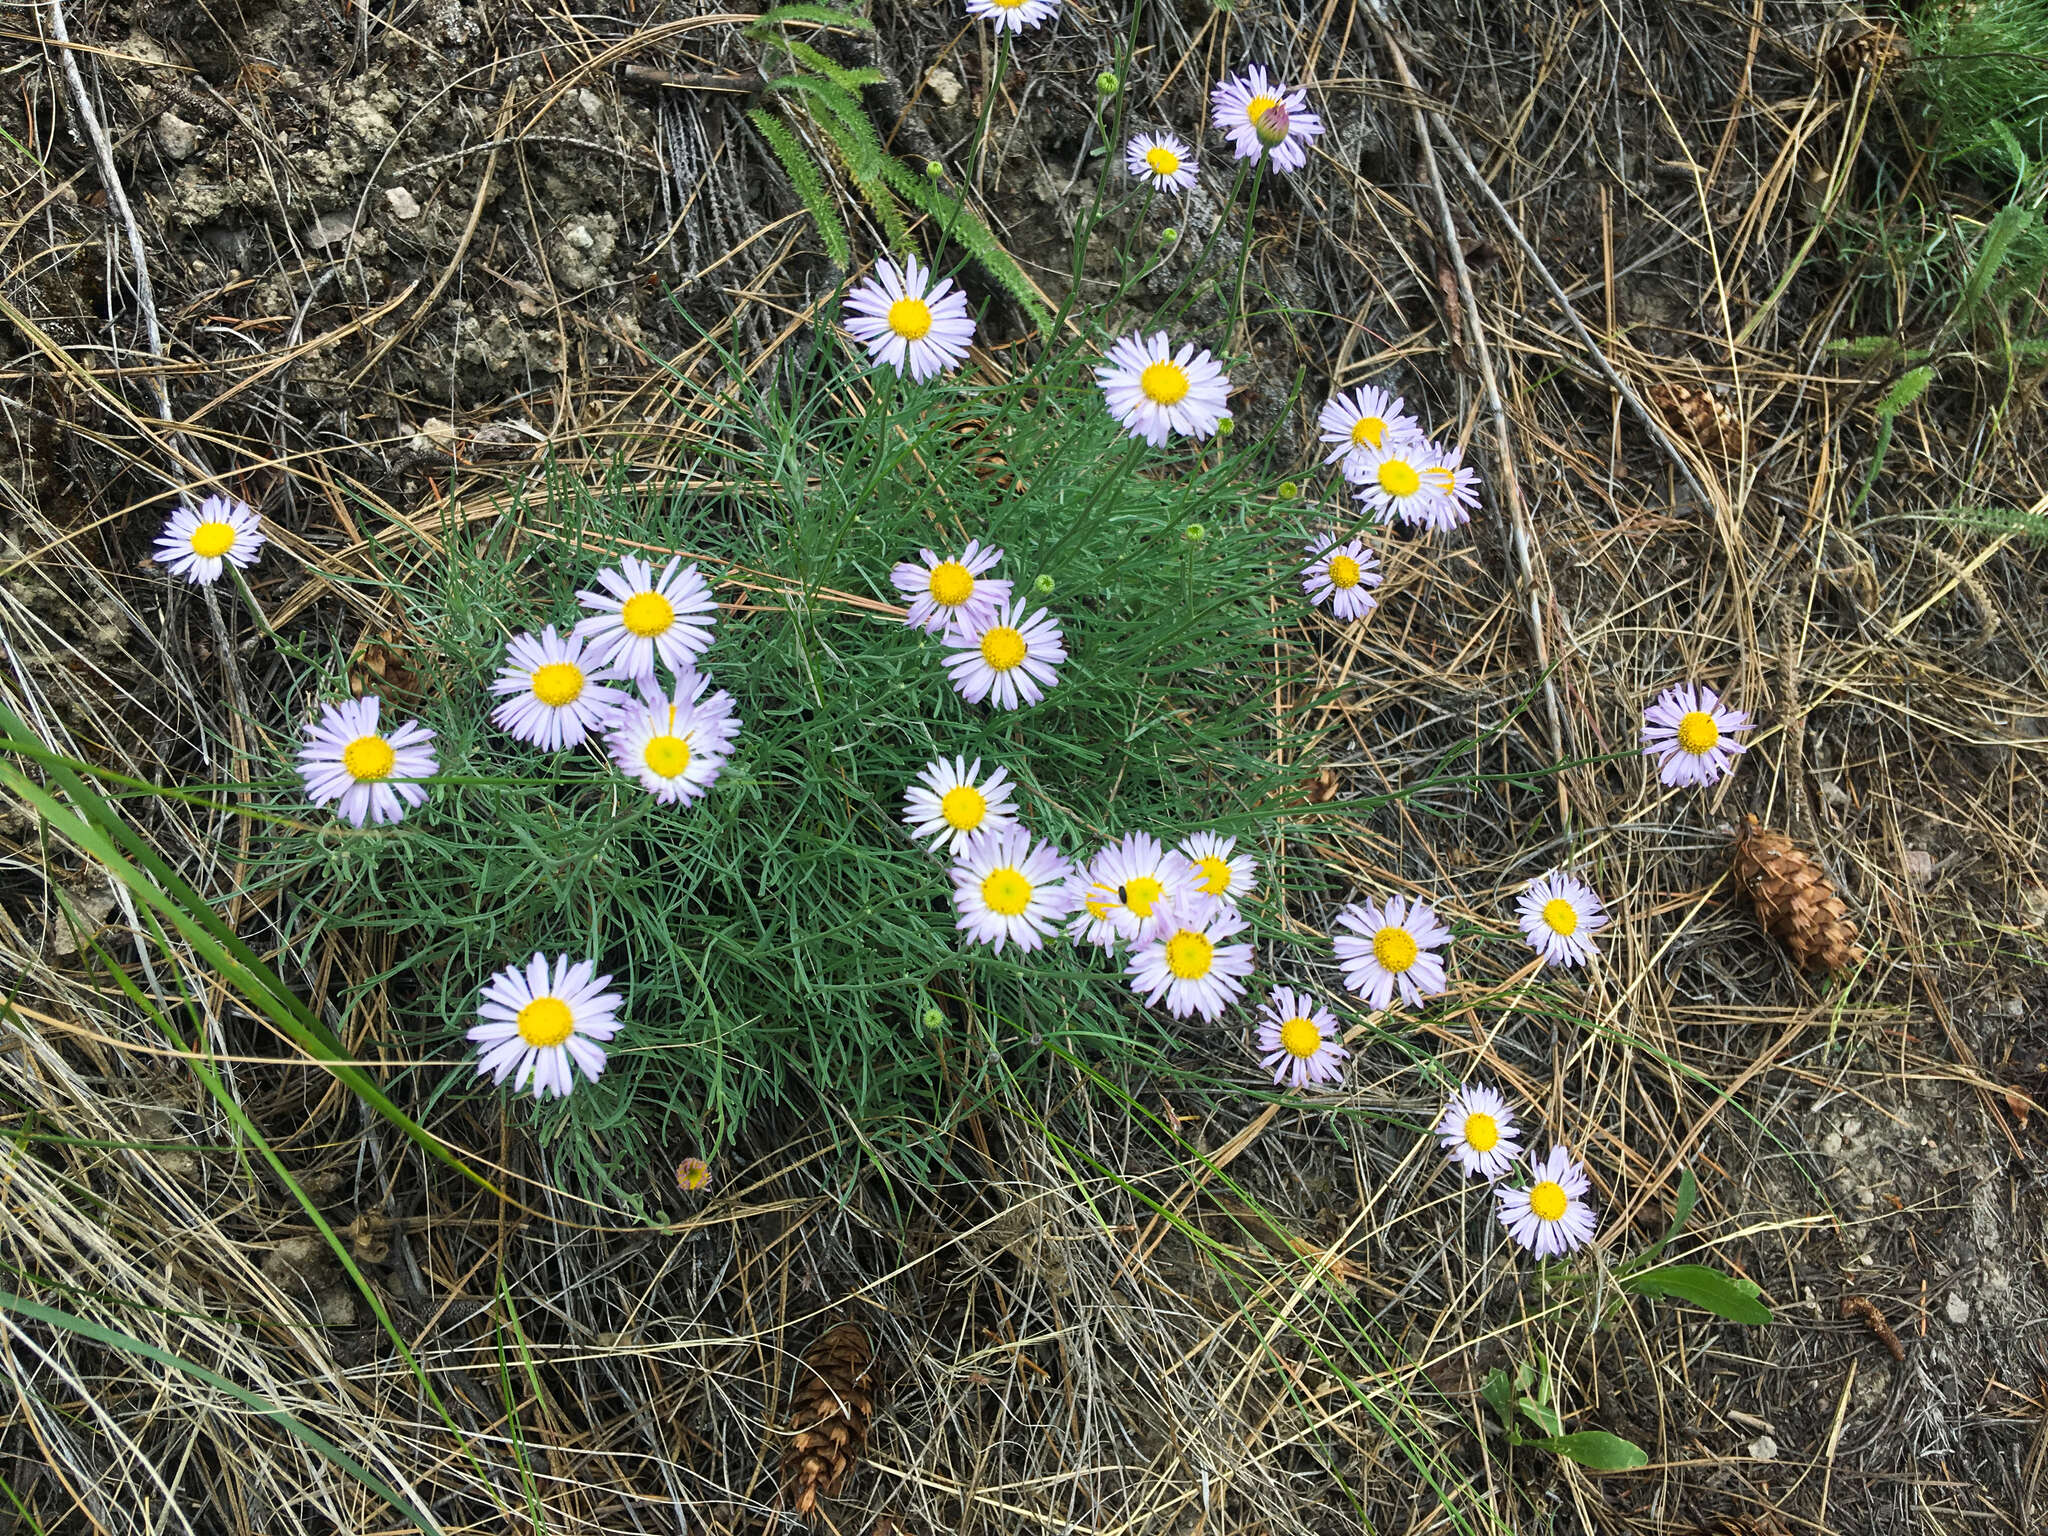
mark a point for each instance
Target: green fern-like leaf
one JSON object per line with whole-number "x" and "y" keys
{"x": 809, "y": 182}
{"x": 965, "y": 225}
{"x": 852, "y": 81}
{"x": 802, "y": 14}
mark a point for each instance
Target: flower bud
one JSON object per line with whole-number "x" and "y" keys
{"x": 1272, "y": 125}
{"x": 1168, "y": 235}
{"x": 1107, "y": 82}
{"x": 1289, "y": 490}
{"x": 933, "y": 169}
{"x": 1043, "y": 586}
{"x": 1194, "y": 533}
{"x": 934, "y": 1019}
{"x": 1225, "y": 427}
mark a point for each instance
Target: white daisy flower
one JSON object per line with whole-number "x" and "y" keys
{"x": 541, "y": 1025}
{"x": 1265, "y": 119}
{"x": 1690, "y": 734}
{"x": 200, "y": 545}
{"x": 675, "y": 745}
{"x": 1008, "y": 660}
{"x": 1221, "y": 872}
{"x": 951, "y": 802}
{"x": 1298, "y": 1037}
{"x": 1391, "y": 481}
{"x": 1367, "y": 418}
{"x": 1477, "y": 1129}
{"x": 639, "y": 616}
{"x": 1456, "y": 485}
{"x": 908, "y": 322}
{"x": 1559, "y": 915}
{"x": 1343, "y": 576}
{"x": 1013, "y": 15}
{"x": 1550, "y": 1217}
{"x": 1131, "y": 884}
{"x": 1162, "y": 160}
{"x": 1392, "y": 948}
{"x": 1156, "y": 392}
{"x": 554, "y": 697}
{"x": 951, "y": 590}
{"x": 1008, "y": 890}
{"x": 1187, "y": 963}
{"x": 363, "y": 771}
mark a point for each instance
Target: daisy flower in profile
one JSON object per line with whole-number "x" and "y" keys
{"x": 1299, "y": 1039}
{"x": 1391, "y": 948}
{"x": 346, "y": 759}
{"x": 199, "y": 545}
{"x": 1162, "y": 160}
{"x": 1265, "y": 119}
{"x": 1130, "y": 886}
{"x": 1367, "y": 418}
{"x": 675, "y": 745}
{"x": 1688, "y": 731}
{"x": 951, "y": 802}
{"x": 1221, "y": 872}
{"x": 639, "y": 616}
{"x": 1457, "y": 487}
{"x": 1343, "y": 576}
{"x": 1009, "y": 890}
{"x": 541, "y": 1024}
{"x": 1013, "y": 15}
{"x": 1188, "y": 964}
{"x": 1156, "y": 392}
{"x": 1008, "y": 659}
{"x": 1550, "y": 1217}
{"x": 1391, "y": 481}
{"x": 1477, "y": 1129}
{"x": 553, "y": 697}
{"x": 952, "y": 589}
{"x": 908, "y": 322}
{"x": 1559, "y": 915}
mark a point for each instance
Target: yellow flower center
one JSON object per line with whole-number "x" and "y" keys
{"x": 1139, "y": 894}
{"x": 647, "y": 614}
{"x": 1398, "y": 478}
{"x": 212, "y": 540}
{"x": 558, "y": 683}
{"x": 1258, "y": 107}
{"x": 1006, "y": 892}
{"x": 1215, "y": 875}
{"x": 666, "y": 756}
{"x": 1343, "y": 571}
{"x": 546, "y": 1021}
{"x": 1008, "y": 5}
{"x": 1561, "y": 917}
{"x": 693, "y": 1172}
{"x": 951, "y": 584}
{"x": 1367, "y": 431}
{"x": 1548, "y": 1200}
{"x": 1482, "y": 1132}
{"x": 368, "y": 759}
{"x": 1300, "y": 1037}
{"x": 910, "y": 318}
{"x": 1164, "y": 383}
{"x": 1697, "y": 733}
{"x": 1394, "y": 948}
{"x": 963, "y": 807}
{"x": 1002, "y": 648}
{"x": 1162, "y": 160}
{"x": 1189, "y": 955}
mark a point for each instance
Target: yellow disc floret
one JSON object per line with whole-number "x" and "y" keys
{"x": 666, "y": 756}
{"x": 1256, "y": 109}
{"x": 1398, "y": 478}
{"x": 1139, "y": 894}
{"x": 368, "y": 759}
{"x": 1394, "y": 948}
{"x": 910, "y": 318}
{"x": 1189, "y": 955}
{"x": 1300, "y": 1037}
{"x": 1215, "y": 875}
{"x": 1005, "y": 892}
{"x": 963, "y": 806}
{"x": 1164, "y": 383}
{"x": 212, "y": 540}
{"x": 951, "y": 583}
{"x": 558, "y": 683}
{"x": 1482, "y": 1131}
{"x": 647, "y": 614}
{"x": 1344, "y": 572}
{"x": 1697, "y": 732}
{"x": 1367, "y": 431}
{"x": 1547, "y": 1201}
{"x": 1003, "y": 648}
{"x": 546, "y": 1021}
{"x": 1561, "y": 917}
{"x": 1162, "y": 160}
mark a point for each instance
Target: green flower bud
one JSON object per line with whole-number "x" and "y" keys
{"x": 934, "y": 1019}
{"x": 1194, "y": 533}
{"x": 933, "y": 169}
{"x": 1043, "y": 586}
{"x": 1225, "y": 427}
{"x": 1168, "y": 235}
{"x": 1107, "y": 82}
{"x": 1289, "y": 490}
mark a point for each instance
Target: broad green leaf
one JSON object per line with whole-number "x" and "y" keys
{"x": 1500, "y": 1392}
{"x": 1681, "y": 1212}
{"x": 1724, "y": 1295}
{"x": 1542, "y": 1415}
{"x": 1597, "y": 1449}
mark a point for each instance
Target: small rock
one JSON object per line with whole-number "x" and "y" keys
{"x": 404, "y": 206}
{"x": 1919, "y": 864}
{"x": 1831, "y": 1144}
{"x": 1865, "y": 1198}
{"x": 591, "y": 103}
{"x": 944, "y": 84}
{"x": 176, "y": 137}
{"x": 330, "y": 229}
{"x": 1764, "y": 1448}
{"x": 1958, "y": 1309}
{"x": 434, "y": 438}
{"x": 1852, "y": 1127}
{"x": 579, "y": 235}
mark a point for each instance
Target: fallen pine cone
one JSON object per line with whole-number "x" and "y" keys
{"x": 1794, "y": 898}
{"x": 1880, "y": 49}
{"x": 1700, "y": 416}
{"x": 829, "y": 1411}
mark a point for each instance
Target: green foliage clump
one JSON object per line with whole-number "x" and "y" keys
{"x": 1981, "y": 71}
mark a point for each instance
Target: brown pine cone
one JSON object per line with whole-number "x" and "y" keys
{"x": 1794, "y": 898}
{"x": 829, "y": 1410}
{"x": 1879, "y": 49}
{"x": 1701, "y": 416}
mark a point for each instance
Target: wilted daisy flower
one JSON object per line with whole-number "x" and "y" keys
{"x": 908, "y": 322}
{"x": 952, "y": 589}
{"x": 1162, "y": 160}
{"x": 1008, "y": 891}
{"x": 1299, "y": 1039}
{"x": 675, "y": 745}
{"x": 347, "y": 760}
{"x": 1688, "y": 731}
{"x": 693, "y": 1173}
{"x": 1007, "y": 660}
{"x": 1457, "y": 486}
{"x": 1367, "y": 418}
{"x": 553, "y": 696}
{"x": 1013, "y": 15}
{"x": 639, "y": 616}
{"x": 1391, "y": 482}
{"x": 1187, "y": 963}
{"x": 544, "y": 1024}
{"x": 1392, "y": 948}
{"x": 1130, "y": 886}
{"x": 1477, "y": 1129}
{"x": 1551, "y": 1216}
{"x": 951, "y": 802}
{"x": 1156, "y": 392}
{"x": 1221, "y": 872}
{"x": 199, "y": 545}
{"x": 1342, "y": 575}
{"x": 1559, "y": 915}
{"x": 1265, "y": 119}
